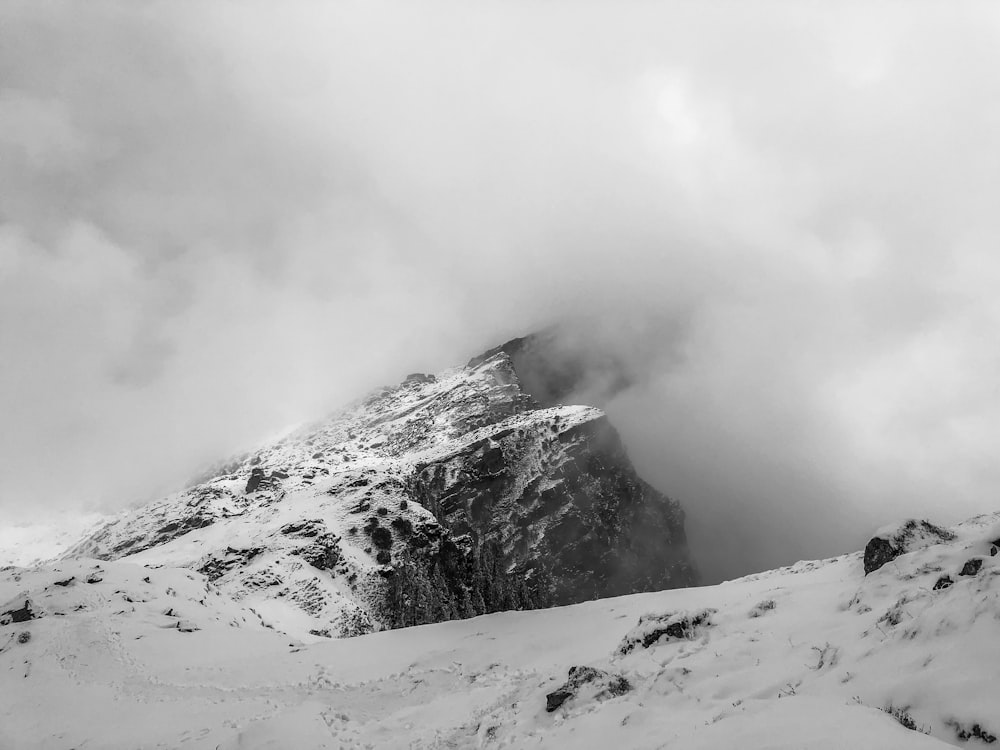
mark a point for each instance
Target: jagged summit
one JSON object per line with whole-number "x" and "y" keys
{"x": 443, "y": 497}
{"x": 554, "y": 365}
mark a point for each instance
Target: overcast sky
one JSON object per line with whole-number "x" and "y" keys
{"x": 218, "y": 219}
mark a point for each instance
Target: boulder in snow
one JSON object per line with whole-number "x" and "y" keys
{"x": 601, "y": 685}
{"x": 670, "y": 626}
{"x": 943, "y": 582}
{"x": 17, "y": 614}
{"x": 892, "y": 541}
{"x": 972, "y": 567}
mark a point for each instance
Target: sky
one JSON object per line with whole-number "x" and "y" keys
{"x": 220, "y": 219}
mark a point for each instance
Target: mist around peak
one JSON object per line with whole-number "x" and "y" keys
{"x": 225, "y": 219}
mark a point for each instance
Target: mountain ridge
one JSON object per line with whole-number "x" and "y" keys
{"x": 443, "y": 497}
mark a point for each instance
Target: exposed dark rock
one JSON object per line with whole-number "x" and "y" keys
{"x": 95, "y": 577}
{"x": 614, "y": 535}
{"x": 974, "y": 732}
{"x": 439, "y": 577}
{"x": 21, "y": 614}
{"x": 402, "y": 525}
{"x": 556, "y": 698}
{"x": 878, "y": 552}
{"x": 260, "y": 480}
{"x": 908, "y": 536}
{"x": 66, "y": 581}
{"x": 943, "y": 582}
{"x": 217, "y": 565}
{"x": 256, "y": 478}
{"x": 972, "y": 567}
{"x": 323, "y": 554}
{"x": 676, "y": 631}
{"x": 605, "y": 686}
{"x": 183, "y": 526}
{"x": 381, "y": 537}
{"x": 670, "y": 626}
{"x": 124, "y": 546}
{"x": 261, "y": 579}
{"x": 304, "y": 528}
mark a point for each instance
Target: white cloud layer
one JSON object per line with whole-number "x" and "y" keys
{"x": 217, "y": 219}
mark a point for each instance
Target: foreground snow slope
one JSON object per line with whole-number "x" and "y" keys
{"x": 802, "y": 657}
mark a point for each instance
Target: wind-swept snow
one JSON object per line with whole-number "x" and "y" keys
{"x": 802, "y": 657}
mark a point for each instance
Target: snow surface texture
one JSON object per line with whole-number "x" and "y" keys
{"x": 121, "y": 655}
{"x": 30, "y": 543}
{"x": 444, "y": 497}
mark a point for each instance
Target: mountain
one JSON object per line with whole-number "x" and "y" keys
{"x": 443, "y": 497}
{"x": 895, "y": 647}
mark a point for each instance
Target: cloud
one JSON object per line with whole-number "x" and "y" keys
{"x": 220, "y": 219}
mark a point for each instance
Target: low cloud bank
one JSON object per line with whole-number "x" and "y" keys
{"x": 219, "y": 220}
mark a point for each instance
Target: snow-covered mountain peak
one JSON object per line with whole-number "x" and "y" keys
{"x": 207, "y": 620}
{"x": 444, "y": 496}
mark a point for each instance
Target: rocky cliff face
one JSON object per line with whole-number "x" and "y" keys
{"x": 440, "y": 498}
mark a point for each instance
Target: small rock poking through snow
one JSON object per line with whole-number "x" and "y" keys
{"x": 656, "y": 628}
{"x": 600, "y": 685}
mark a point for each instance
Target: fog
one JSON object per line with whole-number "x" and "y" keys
{"x": 220, "y": 219}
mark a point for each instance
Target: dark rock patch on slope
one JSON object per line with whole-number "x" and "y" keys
{"x": 892, "y": 543}
{"x": 602, "y": 685}
{"x": 587, "y": 525}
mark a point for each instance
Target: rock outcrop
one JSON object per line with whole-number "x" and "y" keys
{"x": 17, "y": 614}
{"x": 655, "y": 628}
{"x": 599, "y": 684}
{"x": 444, "y": 497}
{"x": 893, "y": 541}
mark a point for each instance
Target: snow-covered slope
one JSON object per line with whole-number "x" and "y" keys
{"x": 443, "y": 497}
{"x": 29, "y": 542}
{"x": 807, "y": 656}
